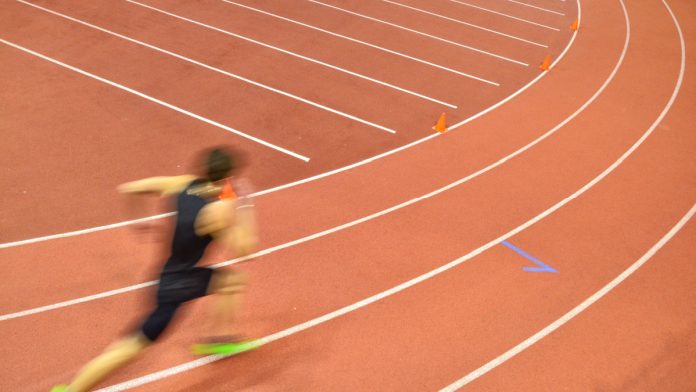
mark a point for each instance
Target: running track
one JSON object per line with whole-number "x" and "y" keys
{"x": 599, "y": 177}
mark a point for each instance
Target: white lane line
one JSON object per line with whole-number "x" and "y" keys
{"x": 214, "y": 69}
{"x": 450, "y": 19}
{"x": 420, "y": 32}
{"x": 313, "y": 178}
{"x": 534, "y": 6}
{"x": 85, "y": 231}
{"x": 616, "y": 281}
{"x": 533, "y": 81}
{"x": 157, "y": 101}
{"x": 184, "y": 367}
{"x": 76, "y": 301}
{"x": 311, "y": 60}
{"x": 416, "y": 59}
{"x": 574, "y": 312}
{"x": 256, "y": 194}
{"x": 506, "y": 15}
{"x": 405, "y": 285}
{"x": 371, "y": 216}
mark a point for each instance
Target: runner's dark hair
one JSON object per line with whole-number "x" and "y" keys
{"x": 219, "y": 162}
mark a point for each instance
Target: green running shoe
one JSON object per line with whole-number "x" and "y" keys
{"x": 226, "y": 349}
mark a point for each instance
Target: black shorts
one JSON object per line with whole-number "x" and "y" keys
{"x": 175, "y": 289}
{"x": 179, "y": 287}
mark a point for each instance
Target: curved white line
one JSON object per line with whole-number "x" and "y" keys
{"x": 308, "y": 179}
{"x": 301, "y": 327}
{"x": 616, "y": 281}
{"x": 367, "y": 301}
{"x": 533, "y": 81}
{"x": 354, "y": 222}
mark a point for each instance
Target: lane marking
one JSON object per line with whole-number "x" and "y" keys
{"x": 405, "y": 285}
{"x": 447, "y": 18}
{"x": 539, "y": 8}
{"x": 184, "y": 367}
{"x": 416, "y": 59}
{"x": 157, "y": 101}
{"x": 311, "y": 60}
{"x": 533, "y": 81}
{"x": 374, "y": 215}
{"x": 506, "y": 15}
{"x": 193, "y": 364}
{"x": 85, "y": 231}
{"x": 79, "y": 300}
{"x": 420, "y": 32}
{"x": 312, "y": 178}
{"x": 575, "y": 311}
{"x": 616, "y": 281}
{"x": 542, "y": 267}
{"x": 214, "y": 69}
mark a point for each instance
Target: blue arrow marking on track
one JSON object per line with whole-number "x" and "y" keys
{"x": 542, "y": 267}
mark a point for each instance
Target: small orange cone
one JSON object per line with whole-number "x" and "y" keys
{"x": 546, "y": 64}
{"x": 574, "y": 25}
{"x": 441, "y": 125}
{"x": 227, "y": 192}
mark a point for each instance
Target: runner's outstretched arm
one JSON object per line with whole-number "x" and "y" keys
{"x": 152, "y": 186}
{"x": 161, "y": 186}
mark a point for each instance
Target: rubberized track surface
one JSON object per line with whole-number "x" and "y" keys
{"x": 389, "y": 275}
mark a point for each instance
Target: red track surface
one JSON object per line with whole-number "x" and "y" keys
{"x": 638, "y": 337}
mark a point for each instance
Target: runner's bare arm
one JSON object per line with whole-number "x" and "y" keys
{"x": 245, "y": 229}
{"x": 229, "y": 226}
{"x": 136, "y": 207}
{"x": 162, "y": 186}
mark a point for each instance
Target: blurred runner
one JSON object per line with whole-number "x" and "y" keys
{"x": 213, "y": 206}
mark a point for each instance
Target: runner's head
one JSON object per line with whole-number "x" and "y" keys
{"x": 219, "y": 163}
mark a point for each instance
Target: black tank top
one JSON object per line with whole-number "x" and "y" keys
{"x": 187, "y": 247}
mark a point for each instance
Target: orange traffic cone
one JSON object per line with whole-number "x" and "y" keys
{"x": 546, "y": 64}
{"x": 227, "y": 192}
{"x": 441, "y": 125}
{"x": 574, "y": 25}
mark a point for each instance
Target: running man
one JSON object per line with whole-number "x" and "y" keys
{"x": 207, "y": 210}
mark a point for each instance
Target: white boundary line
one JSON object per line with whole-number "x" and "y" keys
{"x": 422, "y": 33}
{"x": 308, "y": 179}
{"x": 85, "y": 231}
{"x": 616, "y": 281}
{"x": 541, "y": 75}
{"x": 214, "y": 69}
{"x": 506, "y": 15}
{"x": 184, "y": 367}
{"x": 256, "y": 194}
{"x": 534, "y": 6}
{"x": 446, "y": 18}
{"x": 365, "y": 218}
{"x": 157, "y": 101}
{"x": 574, "y": 312}
{"x": 311, "y": 60}
{"x": 416, "y": 59}
{"x": 403, "y": 286}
